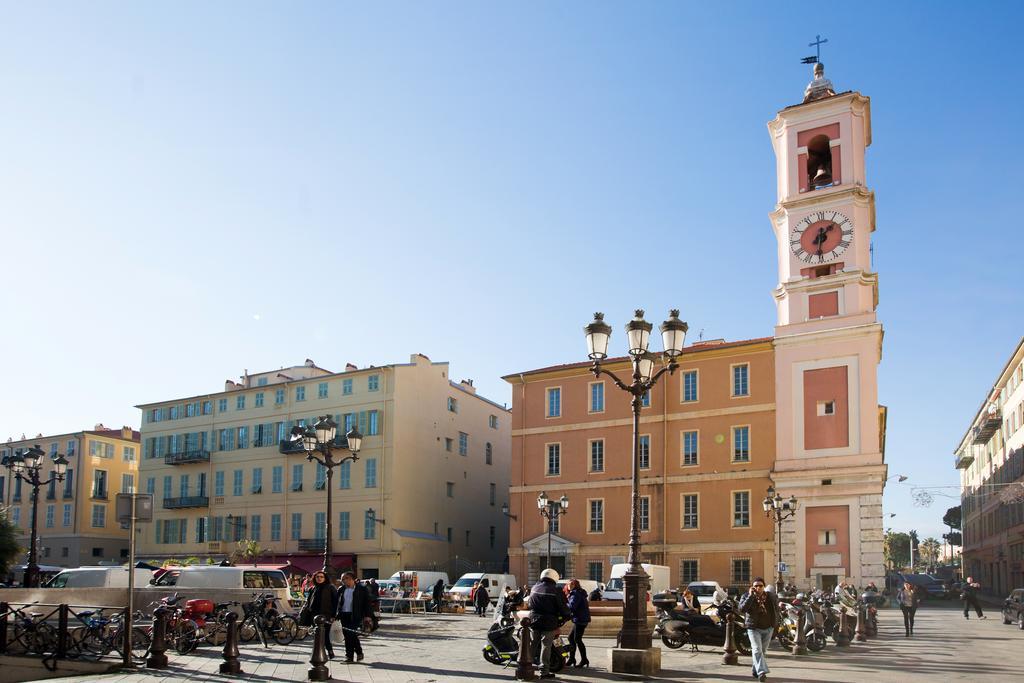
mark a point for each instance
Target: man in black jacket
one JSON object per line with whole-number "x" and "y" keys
{"x": 762, "y": 613}
{"x": 548, "y": 609}
{"x": 353, "y": 612}
{"x": 969, "y": 594}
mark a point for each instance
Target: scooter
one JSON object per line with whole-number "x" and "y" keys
{"x": 502, "y": 646}
{"x": 677, "y": 627}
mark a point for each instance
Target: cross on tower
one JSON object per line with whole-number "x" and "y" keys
{"x": 818, "y": 42}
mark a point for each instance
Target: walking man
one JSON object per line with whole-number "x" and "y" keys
{"x": 761, "y": 614}
{"x": 908, "y": 601}
{"x": 969, "y": 595}
{"x": 481, "y": 600}
{"x": 548, "y": 610}
{"x": 353, "y": 612}
{"x": 438, "y": 595}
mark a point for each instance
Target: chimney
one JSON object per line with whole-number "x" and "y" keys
{"x": 349, "y": 367}
{"x": 98, "y": 427}
{"x": 310, "y": 363}
{"x": 127, "y": 433}
{"x": 468, "y": 385}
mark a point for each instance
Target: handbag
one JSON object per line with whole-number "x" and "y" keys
{"x": 305, "y": 616}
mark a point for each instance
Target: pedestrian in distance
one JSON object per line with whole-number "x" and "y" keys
{"x": 761, "y": 613}
{"x": 321, "y": 600}
{"x": 579, "y": 609}
{"x": 374, "y": 591}
{"x": 438, "y": 595}
{"x": 354, "y": 614}
{"x": 908, "y": 601}
{"x": 481, "y": 600}
{"x": 969, "y": 595}
{"x": 548, "y": 611}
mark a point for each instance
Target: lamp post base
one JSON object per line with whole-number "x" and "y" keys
{"x": 640, "y": 662}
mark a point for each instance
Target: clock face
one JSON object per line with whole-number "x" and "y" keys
{"x": 821, "y": 236}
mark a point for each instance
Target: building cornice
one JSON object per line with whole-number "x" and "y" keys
{"x": 647, "y": 419}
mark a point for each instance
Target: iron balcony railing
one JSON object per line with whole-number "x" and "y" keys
{"x": 186, "y": 457}
{"x": 989, "y": 424}
{"x": 186, "y": 502}
{"x": 314, "y": 544}
{"x": 289, "y": 447}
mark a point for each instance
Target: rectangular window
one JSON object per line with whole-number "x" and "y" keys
{"x": 296, "y": 526}
{"x": 50, "y": 510}
{"x": 127, "y": 483}
{"x": 99, "y": 516}
{"x": 275, "y": 527}
{"x": 645, "y": 513}
{"x": 596, "y": 516}
{"x": 691, "y": 519}
{"x": 257, "y": 480}
{"x": 346, "y": 387}
{"x": 492, "y": 421}
{"x": 240, "y": 402}
{"x": 319, "y": 477}
{"x": 645, "y": 400}
{"x": 741, "y": 444}
{"x": 128, "y": 454}
{"x": 449, "y": 531}
{"x": 463, "y": 443}
{"x": 236, "y": 483}
{"x": 243, "y": 437}
{"x": 741, "y": 380}
{"x": 554, "y": 459}
{"x": 690, "y": 455}
{"x": 493, "y": 493}
{"x": 690, "y": 386}
{"x": 741, "y": 508}
{"x": 66, "y": 519}
{"x": 828, "y": 537}
{"x": 448, "y": 444}
{"x": 453, "y": 405}
{"x": 343, "y": 526}
{"x": 689, "y": 571}
{"x": 319, "y": 525}
{"x": 258, "y": 399}
{"x": 218, "y": 483}
{"x": 278, "y": 397}
{"x": 369, "y": 526}
{"x": 297, "y": 477}
{"x": 554, "y": 402}
{"x": 254, "y": 527}
{"x": 374, "y": 427}
{"x": 741, "y": 571}
{"x": 597, "y": 455}
{"x": 467, "y": 538}
{"x": 69, "y": 483}
{"x": 321, "y": 390}
{"x": 488, "y": 450}
{"x": 597, "y": 397}
{"x": 595, "y": 571}
{"x": 372, "y": 384}
{"x": 493, "y": 536}
{"x": 645, "y": 452}
{"x": 222, "y": 405}
{"x": 99, "y": 484}
{"x": 300, "y": 393}
{"x": 277, "y": 479}
{"x": 345, "y": 475}
{"x": 449, "y": 489}
{"x": 151, "y": 485}
{"x": 371, "y": 473}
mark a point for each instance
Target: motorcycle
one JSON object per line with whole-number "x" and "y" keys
{"x": 786, "y": 630}
{"x": 502, "y": 646}
{"x": 677, "y": 627}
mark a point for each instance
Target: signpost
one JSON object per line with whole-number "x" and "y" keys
{"x": 132, "y": 508}
{"x": 783, "y": 568}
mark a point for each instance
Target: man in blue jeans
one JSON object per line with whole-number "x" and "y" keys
{"x": 761, "y": 613}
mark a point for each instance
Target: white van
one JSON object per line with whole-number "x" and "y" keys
{"x": 658, "y": 576}
{"x": 253, "y": 579}
{"x": 98, "y": 577}
{"x": 494, "y": 583}
{"x": 424, "y": 580}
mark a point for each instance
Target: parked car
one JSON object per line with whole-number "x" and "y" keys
{"x": 98, "y": 577}
{"x": 1013, "y": 608}
{"x": 927, "y": 587}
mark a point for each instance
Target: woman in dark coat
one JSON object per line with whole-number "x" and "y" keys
{"x": 321, "y": 599}
{"x": 481, "y": 599}
{"x": 438, "y": 595}
{"x": 580, "y": 611}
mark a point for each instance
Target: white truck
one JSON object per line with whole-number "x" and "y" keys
{"x": 614, "y": 588}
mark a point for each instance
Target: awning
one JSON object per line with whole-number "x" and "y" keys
{"x": 307, "y": 564}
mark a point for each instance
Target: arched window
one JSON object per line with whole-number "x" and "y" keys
{"x": 819, "y": 162}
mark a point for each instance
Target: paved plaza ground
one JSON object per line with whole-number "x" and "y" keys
{"x": 427, "y": 648}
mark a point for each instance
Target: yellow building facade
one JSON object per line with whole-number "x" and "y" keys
{"x": 433, "y": 468}
{"x": 77, "y": 525}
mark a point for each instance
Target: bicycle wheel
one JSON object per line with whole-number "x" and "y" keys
{"x": 94, "y": 643}
{"x": 247, "y": 631}
{"x": 285, "y": 628}
{"x": 186, "y": 636}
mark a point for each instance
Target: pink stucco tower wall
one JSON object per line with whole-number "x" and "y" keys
{"x": 830, "y": 429}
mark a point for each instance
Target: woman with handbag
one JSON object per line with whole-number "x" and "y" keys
{"x": 321, "y": 599}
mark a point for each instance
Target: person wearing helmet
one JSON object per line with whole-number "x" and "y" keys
{"x": 548, "y": 610}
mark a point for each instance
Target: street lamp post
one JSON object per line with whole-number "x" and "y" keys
{"x": 635, "y": 633}
{"x": 26, "y": 466}
{"x": 550, "y": 510}
{"x": 775, "y": 506}
{"x": 318, "y": 442}
{"x": 504, "y": 511}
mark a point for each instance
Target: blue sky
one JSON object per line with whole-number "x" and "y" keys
{"x": 191, "y": 190}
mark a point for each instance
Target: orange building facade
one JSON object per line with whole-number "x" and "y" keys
{"x": 707, "y": 450}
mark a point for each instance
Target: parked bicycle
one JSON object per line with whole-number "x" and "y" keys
{"x": 99, "y": 635}
{"x": 31, "y": 632}
{"x": 263, "y": 619}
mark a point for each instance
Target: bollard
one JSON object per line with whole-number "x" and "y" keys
{"x": 4, "y": 609}
{"x": 230, "y": 665}
{"x": 157, "y": 659}
{"x": 730, "y": 656}
{"x": 800, "y": 645}
{"x": 840, "y": 636}
{"x": 318, "y": 670}
{"x": 524, "y": 664}
{"x": 62, "y": 631}
{"x": 862, "y": 617}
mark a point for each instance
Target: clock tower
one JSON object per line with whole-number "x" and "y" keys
{"x": 830, "y": 430}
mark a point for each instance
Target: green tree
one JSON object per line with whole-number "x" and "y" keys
{"x": 930, "y": 548}
{"x": 896, "y": 549}
{"x": 953, "y": 518}
{"x": 249, "y": 550}
{"x": 10, "y": 549}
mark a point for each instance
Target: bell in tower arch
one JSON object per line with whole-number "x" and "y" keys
{"x": 819, "y": 162}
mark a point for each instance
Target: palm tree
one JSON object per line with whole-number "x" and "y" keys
{"x": 250, "y": 549}
{"x": 929, "y": 549}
